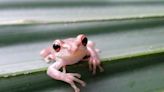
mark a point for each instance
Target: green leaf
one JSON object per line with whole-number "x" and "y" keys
{"x": 128, "y": 33}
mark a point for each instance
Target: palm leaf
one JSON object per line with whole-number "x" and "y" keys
{"x": 129, "y": 34}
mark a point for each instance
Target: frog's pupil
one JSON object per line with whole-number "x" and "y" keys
{"x": 84, "y": 41}
{"x": 56, "y": 47}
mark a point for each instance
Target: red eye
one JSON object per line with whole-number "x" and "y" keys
{"x": 84, "y": 41}
{"x": 56, "y": 47}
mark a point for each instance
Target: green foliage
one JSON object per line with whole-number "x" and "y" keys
{"x": 128, "y": 33}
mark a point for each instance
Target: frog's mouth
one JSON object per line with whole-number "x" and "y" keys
{"x": 86, "y": 57}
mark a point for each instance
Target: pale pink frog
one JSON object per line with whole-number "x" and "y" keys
{"x": 67, "y": 52}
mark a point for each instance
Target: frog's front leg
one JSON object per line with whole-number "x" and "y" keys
{"x": 64, "y": 69}
{"x": 94, "y": 60}
{"x": 50, "y": 58}
{"x": 47, "y": 54}
{"x": 71, "y": 78}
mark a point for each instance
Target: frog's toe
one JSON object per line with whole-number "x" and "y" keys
{"x": 75, "y": 75}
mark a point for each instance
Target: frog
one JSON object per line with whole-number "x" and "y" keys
{"x": 69, "y": 51}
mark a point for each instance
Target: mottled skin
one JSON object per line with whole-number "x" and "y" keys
{"x": 67, "y": 52}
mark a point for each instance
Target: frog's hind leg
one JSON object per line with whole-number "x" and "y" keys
{"x": 71, "y": 78}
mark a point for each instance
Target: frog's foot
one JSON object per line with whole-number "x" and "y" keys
{"x": 94, "y": 62}
{"x": 49, "y": 58}
{"x": 69, "y": 78}
{"x": 45, "y": 52}
{"x": 98, "y": 50}
{"x": 74, "y": 77}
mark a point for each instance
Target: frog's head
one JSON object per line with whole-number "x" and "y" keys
{"x": 71, "y": 44}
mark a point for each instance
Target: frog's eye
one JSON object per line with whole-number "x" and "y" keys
{"x": 84, "y": 41}
{"x": 56, "y": 47}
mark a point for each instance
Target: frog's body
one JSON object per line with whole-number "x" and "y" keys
{"x": 67, "y": 52}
